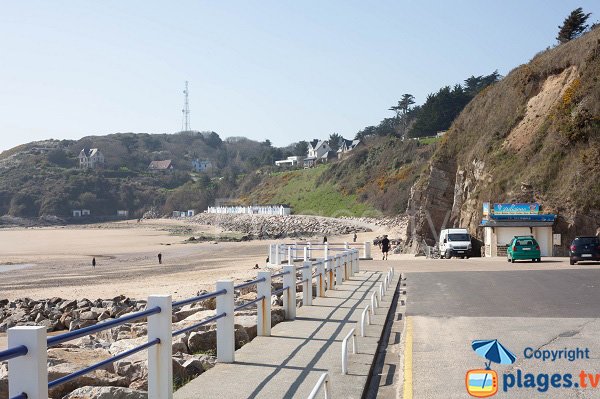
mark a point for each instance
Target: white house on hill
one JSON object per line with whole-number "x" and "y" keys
{"x": 90, "y": 158}
{"x": 200, "y": 165}
{"x": 346, "y": 146}
{"x": 318, "y": 151}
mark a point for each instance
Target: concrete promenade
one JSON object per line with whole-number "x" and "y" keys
{"x": 289, "y": 362}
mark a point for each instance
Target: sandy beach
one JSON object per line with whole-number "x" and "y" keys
{"x": 57, "y": 261}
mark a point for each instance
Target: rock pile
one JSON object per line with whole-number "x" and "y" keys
{"x": 274, "y": 227}
{"x": 60, "y": 314}
{"x": 193, "y": 352}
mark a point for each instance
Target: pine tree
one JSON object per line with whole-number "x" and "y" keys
{"x": 573, "y": 26}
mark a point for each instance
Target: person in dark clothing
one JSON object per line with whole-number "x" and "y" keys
{"x": 354, "y": 238}
{"x": 94, "y": 262}
{"x": 324, "y": 239}
{"x": 385, "y": 247}
{"x": 159, "y": 258}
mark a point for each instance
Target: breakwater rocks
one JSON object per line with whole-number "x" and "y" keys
{"x": 193, "y": 352}
{"x": 274, "y": 227}
{"x": 64, "y": 314}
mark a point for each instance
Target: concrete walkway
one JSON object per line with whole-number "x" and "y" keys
{"x": 289, "y": 363}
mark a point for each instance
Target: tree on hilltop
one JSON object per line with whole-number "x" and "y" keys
{"x": 402, "y": 110}
{"x": 573, "y": 26}
{"x": 335, "y": 141}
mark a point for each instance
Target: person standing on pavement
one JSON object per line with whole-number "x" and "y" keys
{"x": 94, "y": 262}
{"x": 385, "y": 246}
{"x": 354, "y": 238}
{"x": 159, "y": 258}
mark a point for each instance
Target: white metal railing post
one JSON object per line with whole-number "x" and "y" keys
{"x": 290, "y": 255}
{"x": 338, "y": 270}
{"x": 365, "y": 315}
{"x": 289, "y": 295}
{"x": 307, "y": 285}
{"x": 320, "y": 278}
{"x": 367, "y": 249}
{"x": 326, "y": 251}
{"x": 323, "y": 381}
{"x": 277, "y": 255}
{"x": 352, "y": 334}
{"x": 160, "y": 364}
{"x": 309, "y": 251}
{"x": 330, "y": 276}
{"x": 271, "y": 254}
{"x": 263, "y": 288}
{"x": 357, "y": 261}
{"x": 347, "y": 269}
{"x": 28, "y": 374}
{"x": 346, "y": 245}
{"x": 379, "y": 293}
{"x": 306, "y": 257}
{"x": 225, "y": 325}
{"x": 373, "y": 303}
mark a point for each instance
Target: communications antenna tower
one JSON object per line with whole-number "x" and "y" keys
{"x": 185, "y": 124}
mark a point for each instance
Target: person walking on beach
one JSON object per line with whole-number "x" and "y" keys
{"x": 324, "y": 239}
{"x": 94, "y": 262}
{"x": 159, "y": 258}
{"x": 354, "y": 238}
{"x": 385, "y": 247}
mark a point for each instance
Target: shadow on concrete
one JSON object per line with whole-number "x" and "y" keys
{"x": 294, "y": 385}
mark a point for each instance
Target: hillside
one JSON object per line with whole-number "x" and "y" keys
{"x": 533, "y": 136}
{"x": 43, "y": 178}
{"x": 372, "y": 180}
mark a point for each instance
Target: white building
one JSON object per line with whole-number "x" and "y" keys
{"x": 502, "y": 222}
{"x": 90, "y": 158}
{"x": 290, "y": 161}
{"x": 318, "y": 151}
{"x": 346, "y": 146}
{"x": 200, "y": 165}
{"x": 274, "y": 210}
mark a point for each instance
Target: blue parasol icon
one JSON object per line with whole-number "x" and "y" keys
{"x": 493, "y": 351}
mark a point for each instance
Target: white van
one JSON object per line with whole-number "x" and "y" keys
{"x": 455, "y": 242}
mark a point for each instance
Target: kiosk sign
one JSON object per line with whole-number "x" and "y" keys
{"x": 516, "y": 209}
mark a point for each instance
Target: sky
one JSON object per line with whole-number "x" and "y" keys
{"x": 274, "y": 69}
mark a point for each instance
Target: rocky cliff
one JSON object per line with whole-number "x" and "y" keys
{"x": 534, "y": 136}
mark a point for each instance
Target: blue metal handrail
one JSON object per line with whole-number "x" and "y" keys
{"x": 203, "y": 322}
{"x": 98, "y": 365}
{"x": 304, "y": 267}
{"x": 199, "y": 298}
{"x": 245, "y": 305}
{"x": 280, "y": 274}
{"x": 302, "y": 281}
{"x": 59, "y": 339}
{"x": 249, "y": 283}
{"x": 279, "y": 291}
{"x": 22, "y": 395}
{"x": 11, "y": 353}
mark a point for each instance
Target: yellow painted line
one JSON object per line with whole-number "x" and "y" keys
{"x": 408, "y": 362}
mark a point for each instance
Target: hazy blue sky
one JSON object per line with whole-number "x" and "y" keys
{"x": 282, "y": 70}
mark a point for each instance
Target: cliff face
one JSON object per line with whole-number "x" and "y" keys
{"x": 534, "y": 136}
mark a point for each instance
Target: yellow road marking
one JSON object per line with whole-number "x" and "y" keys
{"x": 408, "y": 363}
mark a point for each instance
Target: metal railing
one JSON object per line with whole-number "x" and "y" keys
{"x": 352, "y": 334}
{"x": 28, "y": 345}
{"x": 325, "y": 382}
{"x": 365, "y": 315}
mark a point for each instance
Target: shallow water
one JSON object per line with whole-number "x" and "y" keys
{"x": 8, "y": 268}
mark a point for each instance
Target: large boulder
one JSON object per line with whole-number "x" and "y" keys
{"x": 90, "y": 392}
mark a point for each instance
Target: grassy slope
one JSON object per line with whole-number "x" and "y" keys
{"x": 301, "y": 190}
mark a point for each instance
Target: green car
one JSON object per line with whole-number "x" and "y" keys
{"x": 522, "y": 248}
